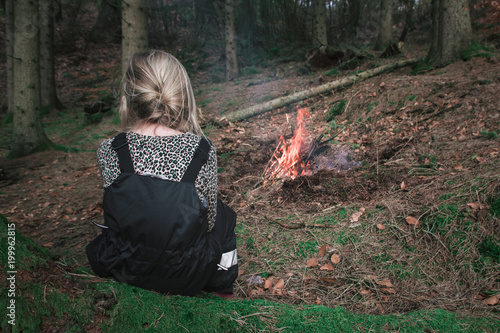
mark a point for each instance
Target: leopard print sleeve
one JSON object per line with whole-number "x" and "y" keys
{"x": 167, "y": 156}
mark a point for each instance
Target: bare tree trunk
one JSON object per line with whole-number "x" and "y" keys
{"x": 134, "y": 29}
{"x": 9, "y": 45}
{"x": 47, "y": 72}
{"x": 28, "y": 134}
{"x": 453, "y": 31}
{"x": 320, "y": 34}
{"x": 434, "y": 27}
{"x": 107, "y": 27}
{"x": 385, "y": 33}
{"x": 231, "y": 50}
{"x": 282, "y": 101}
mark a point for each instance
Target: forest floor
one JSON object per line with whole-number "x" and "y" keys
{"x": 412, "y": 224}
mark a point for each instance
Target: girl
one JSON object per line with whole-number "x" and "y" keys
{"x": 165, "y": 229}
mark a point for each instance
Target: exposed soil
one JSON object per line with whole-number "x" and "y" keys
{"x": 417, "y": 138}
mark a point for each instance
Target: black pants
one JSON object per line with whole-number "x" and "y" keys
{"x": 222, "y": 237}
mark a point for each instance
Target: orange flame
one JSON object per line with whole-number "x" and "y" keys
{"x": 290, "y": 162}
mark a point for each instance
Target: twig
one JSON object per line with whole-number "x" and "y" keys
{"x": 296, "y": 225}
{"x": 349, "y": 102}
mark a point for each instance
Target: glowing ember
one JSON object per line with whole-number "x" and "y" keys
{"x": 287, "y": 160}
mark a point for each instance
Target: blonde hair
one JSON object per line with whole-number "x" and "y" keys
{"x": 157, "y": 90}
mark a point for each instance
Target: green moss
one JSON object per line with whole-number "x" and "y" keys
{"x": 489, "y": 135}
{"x": 495, "y": 208}
{"x": 335, "y": 110}
{"x": 305, "y": 249}
{"x": 490, "y": 248}
{"x": 477, "y": 50}
{"x": 23, "y": 257}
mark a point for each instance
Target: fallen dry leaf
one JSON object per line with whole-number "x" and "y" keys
{"x": 380, "y": 226}
{"x": 335, "y": 258}
{"x": 403, "y": 185}
{"x": 280, "y": 284}
{"x": 355, "y": 217}
{"x": 312, "y": 262}
{"x": 256, "y": 291}
{"x": 388, "y": 290}
{"x": 413, "y": 221}
{"x": 326, "y": 267}
{"x": 365, "y": 292}
{"x": 322, "y": 250}
{"x": 473, "y": 205}
{"x": 269, "y": 282}
{"x": 493, "y": 300}
{"x": 385, "y": 283}
{"x": 458, "y": 167}
{"x": 318, "y": 301}
{"x": 326, "y": 279}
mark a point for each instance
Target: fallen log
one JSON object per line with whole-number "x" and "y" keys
{"x": 298, "y": 96}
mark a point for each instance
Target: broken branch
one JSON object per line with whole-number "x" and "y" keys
{"x": 298, "y": 96}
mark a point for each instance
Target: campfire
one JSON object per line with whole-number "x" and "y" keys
{"x": 302, "y": 157}
{"x": 287, "y": 160}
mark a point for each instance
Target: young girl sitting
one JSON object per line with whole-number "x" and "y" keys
{"x": 165, "y": 228}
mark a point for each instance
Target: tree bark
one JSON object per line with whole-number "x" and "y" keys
{"x": 9, "y": 46}
{"x": 107, "y": 27}
{"x": 384, "y": 38}
{"x": 282, "y": 101}
{"x": 320, "y": 35}
{"x": 28, "y": 134}
{"x": 452, "y": 31}
{"x": 134, "y": 29}
{"x": 47, "y": 71}
{"x": 231, "y": 51}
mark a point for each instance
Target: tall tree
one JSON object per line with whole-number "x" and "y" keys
{"x": 107, "y": 27}
{"x": 28, "y": 134}
{"x": 320, "y": 36}
{"x": 231, "y": 50}
{"x": 134, "y": 29}
{"x": 385, "y": 32}
{"x": 47, "y": 62}
{"x": 451, "y": 31}
{"x": 9, "y": 46}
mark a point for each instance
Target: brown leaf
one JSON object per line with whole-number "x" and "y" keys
{"x": 326, "y": 267}
{"x": 326, "y": 279}
{"x": 380, "y": 226}
{"x": 312, "y": 262}
{"x": 318, "y": 301}
{"x": 388, "y": 290}
{"x": 458, "y": 167}
{"x": 365, "y": 292}
{"x": 403, "y": 185}
{"x": 355, "y": 217}
{"x": 280, "y": 284}
{"x": 256, "y": 291}
{"x": 413, "y": 221}
{"x": 385, "y": 283}
{"x": 473, "y": 205}
{"x": 493, "y": 300}
{"x": 49, "y": 244}
{"x": 322, "y": 250}
{"x": 335, "y": 258}
{"x": 269, "y": 282}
